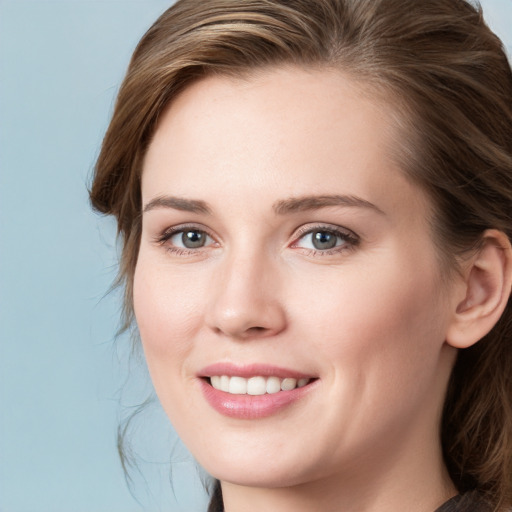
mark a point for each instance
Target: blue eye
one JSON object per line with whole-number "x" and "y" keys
{"x": 190, "y": 239}
{"x": 325, "y": 240}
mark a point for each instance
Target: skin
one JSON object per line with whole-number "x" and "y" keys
{"x": 368, "y": 319}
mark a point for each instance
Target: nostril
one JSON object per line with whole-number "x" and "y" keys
{"x": 245, "y": 319}
{"x": 256, "y": 330}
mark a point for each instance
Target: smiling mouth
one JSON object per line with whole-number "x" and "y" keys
{"x": 257, "y": 385}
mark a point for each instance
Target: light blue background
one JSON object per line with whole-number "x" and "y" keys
{"x": 61, "y": 373}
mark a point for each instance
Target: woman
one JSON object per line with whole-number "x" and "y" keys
{"x": 315, "y": 203}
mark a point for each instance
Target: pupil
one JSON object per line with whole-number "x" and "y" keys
{"x": 324, "y": 240}
{"x": 193, "y": 239}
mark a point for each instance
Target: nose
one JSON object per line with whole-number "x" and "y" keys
{"x": 246, "y": 301}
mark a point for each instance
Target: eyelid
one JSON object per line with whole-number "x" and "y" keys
{"x": 308, "y": 228}
{"x": 350, "y": 236}
{"x": 165, "y": 235}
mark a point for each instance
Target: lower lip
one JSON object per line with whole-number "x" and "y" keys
{"x": 251, "y": 406}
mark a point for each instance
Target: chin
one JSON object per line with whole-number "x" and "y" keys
{"x": 260, "y": 470}
{"x": 259, "y": 477}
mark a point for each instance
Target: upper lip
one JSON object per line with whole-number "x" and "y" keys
{"x": 251, "y": 370}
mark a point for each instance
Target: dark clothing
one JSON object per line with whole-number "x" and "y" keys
{"x": 468, "y": 502}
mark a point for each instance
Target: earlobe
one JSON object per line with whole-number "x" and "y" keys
{"x": 486, "y": 290}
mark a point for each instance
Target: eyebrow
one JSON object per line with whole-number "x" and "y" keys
{"x": 177, "y": 203}
{"x": 282, "y": 207}
{"x": 305, "y": 203}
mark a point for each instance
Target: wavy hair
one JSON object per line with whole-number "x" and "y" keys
{"x": 450, "y": 82}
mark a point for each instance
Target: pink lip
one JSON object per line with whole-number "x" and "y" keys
{"x": 248, "y": 406}
{"x": 251, "y": 370}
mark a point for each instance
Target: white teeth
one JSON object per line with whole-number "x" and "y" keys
{"x": 237, "y": 386}
{"x": 273, "y": 385}
{"x": 224, "y": 383}
{"x": 215, "y": 380}
{"x": 302, "y": 382}
{"x": 288, "y": 384}
{"x": 255, "y": 385}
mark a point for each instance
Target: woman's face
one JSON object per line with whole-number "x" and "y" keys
{"x": 283, "y": 249}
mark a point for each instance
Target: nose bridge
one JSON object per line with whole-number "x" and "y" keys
{"x": 246, "y": 303}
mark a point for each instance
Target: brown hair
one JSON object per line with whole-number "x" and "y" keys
{"x": 449, "y": 79}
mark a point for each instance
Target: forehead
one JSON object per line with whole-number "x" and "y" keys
{"x": 270, "y": 101}
{"x": 290, "y": 130}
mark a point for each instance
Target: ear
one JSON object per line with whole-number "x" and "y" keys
{"x": 486, "y": 286}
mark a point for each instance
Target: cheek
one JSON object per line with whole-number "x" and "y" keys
{"x": 385, "y": 326}
{"x": 167, "y": 313}
{"x": 166, "y": 310}
{"x": 381, "y": 337}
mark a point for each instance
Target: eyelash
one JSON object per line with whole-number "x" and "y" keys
{"x": 350, "y": 239}
{"x": 164, "y": 238}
